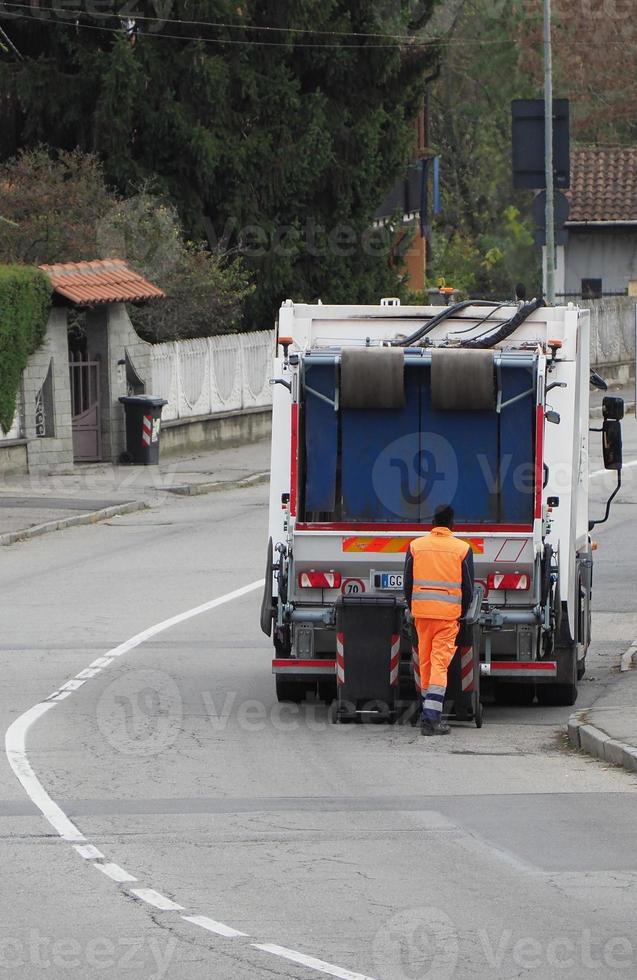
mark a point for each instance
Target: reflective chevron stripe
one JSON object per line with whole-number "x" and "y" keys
{"x": 340, "y": 659}
{"x": 394, "y": 661}
{"x": 466, "y": 668}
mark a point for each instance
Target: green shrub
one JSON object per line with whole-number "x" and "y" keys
{"x": 25, "y": 300}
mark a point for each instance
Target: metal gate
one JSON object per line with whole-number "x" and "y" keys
{"x": 85, "y": 409}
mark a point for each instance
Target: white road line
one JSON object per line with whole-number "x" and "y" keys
{"x": 151, "y": 897}
{"x": 212, "y": 926}
{"x": 15, "y": 747}
{"x": 115, "y": 872}
{"x": 14, "y": 743}
{"x": 591, "y": 476}
{"x": 15, "y": 737}
{"x": 88, "y": 851}
{"x": 310, "y": 961}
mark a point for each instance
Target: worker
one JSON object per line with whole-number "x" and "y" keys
{"x": 438, "y": 585}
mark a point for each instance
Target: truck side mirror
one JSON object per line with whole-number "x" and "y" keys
{"x": 612, "y": 444}
{"x": 613, "y": 407}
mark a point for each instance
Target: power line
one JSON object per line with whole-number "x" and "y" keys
{"x": 217, "y": 24}
{"x": 10, "y": 43}
{"x": 77, "y": 25}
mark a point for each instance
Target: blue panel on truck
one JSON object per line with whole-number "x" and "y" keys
{"x": 380, "y": 457}
{"x": 321, "y": 439}
{"x": 459, "y": 462}
{"x": 517, "y": 424}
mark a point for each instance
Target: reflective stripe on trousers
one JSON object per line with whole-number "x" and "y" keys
{"x": 436, "y": 648}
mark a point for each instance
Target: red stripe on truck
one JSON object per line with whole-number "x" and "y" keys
{"x": 294, "y": 456}
{"x": 539, "y": 460}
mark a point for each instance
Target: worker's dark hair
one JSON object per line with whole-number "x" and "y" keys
{"x": 520, "y": 291}
{"x": 443, "y": 516}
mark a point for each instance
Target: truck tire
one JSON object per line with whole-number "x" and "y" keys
{"x": 520, "y": 695}
{"x": 327, "y": 690}
{"x": 564, "y": 692}
{"x": 293, "y": 691}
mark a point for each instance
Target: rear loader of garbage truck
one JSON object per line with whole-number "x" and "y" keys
{"x": 373, "y": 429}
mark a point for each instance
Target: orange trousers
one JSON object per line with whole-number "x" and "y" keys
{"x": 436, "y": 647}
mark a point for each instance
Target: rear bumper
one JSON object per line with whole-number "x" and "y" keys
{"x": 520, "y": 670}
{"x": 304, "y": 668}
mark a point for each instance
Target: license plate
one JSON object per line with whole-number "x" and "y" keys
{"x": 388, "y": 581}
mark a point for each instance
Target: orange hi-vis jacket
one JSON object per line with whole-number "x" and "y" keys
{"x": 442, "y": 575}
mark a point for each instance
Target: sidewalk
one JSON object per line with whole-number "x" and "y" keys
{"x": 608, "y": 730}
{"x": 33, "y": 505}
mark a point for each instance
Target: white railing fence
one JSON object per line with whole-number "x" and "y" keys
{"x": 213, "y": 374}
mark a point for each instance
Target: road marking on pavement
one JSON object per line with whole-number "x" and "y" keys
{"x": 15, "y": 747}
{"x": 591, "y": 476}
{"x": 213, "y": 926}
{"x": 159, "y": 901}
{"x": 314, "y": 964}
{"x": 14, "y": 742}
{"x": 88, "y": 851}
{"x": 115, "y": 872}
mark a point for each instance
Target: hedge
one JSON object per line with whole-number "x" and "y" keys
{"x": 25, "y": 301}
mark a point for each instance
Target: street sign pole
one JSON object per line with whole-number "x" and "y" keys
{"x": 548, "y": 156}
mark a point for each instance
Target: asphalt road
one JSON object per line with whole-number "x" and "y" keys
{"x": 492, "y": 853}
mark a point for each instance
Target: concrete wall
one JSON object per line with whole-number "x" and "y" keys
{"x": 215, "y": 431}
{"x": 13, "y": 457}
{"x": 600, "y": 253}
{"x": 613, "y": 336}
{"x": 49, "y": 454}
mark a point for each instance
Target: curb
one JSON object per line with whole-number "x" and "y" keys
{"x": 597, "y": 743}
{"x": 94, "y": 517}
{"x": 596, "y": 413}
{"x": 196, "y": 489}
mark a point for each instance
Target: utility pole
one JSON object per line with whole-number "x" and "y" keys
{"x": 548, "y": 155}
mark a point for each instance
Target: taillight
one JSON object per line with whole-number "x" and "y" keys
{"x": 319, "y": 580}
{"x": 508, "y": 581}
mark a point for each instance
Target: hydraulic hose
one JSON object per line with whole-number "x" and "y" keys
{"x": 446, "y": 312}
{"x": 485, "y": 341}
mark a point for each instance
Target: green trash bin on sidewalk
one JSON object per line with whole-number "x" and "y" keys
{"x": 143, "y": 424}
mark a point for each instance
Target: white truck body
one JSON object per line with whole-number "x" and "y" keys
{"x": 362, "y": 555}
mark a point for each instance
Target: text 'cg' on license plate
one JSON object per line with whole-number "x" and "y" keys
{"x": 387, "y": 580}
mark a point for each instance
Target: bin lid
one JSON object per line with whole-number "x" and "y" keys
{"x": 151, "y": 401}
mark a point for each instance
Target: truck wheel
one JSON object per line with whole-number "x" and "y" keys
{"x": 518, "y": 695}
{"x": 563, "y": 694}
{"x": 327, "y": 690}
{"x": 293, "y": 691}
{"x": 557, "y": 695}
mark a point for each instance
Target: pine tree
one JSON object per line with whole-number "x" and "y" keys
{"x": 281, "y": 141}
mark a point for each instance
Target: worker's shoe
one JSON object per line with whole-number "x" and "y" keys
{"x": 434, "y": 728}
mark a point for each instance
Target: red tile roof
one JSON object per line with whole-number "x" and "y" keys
{"x": 603, "y": 185}
{"x": 102, "y": 281}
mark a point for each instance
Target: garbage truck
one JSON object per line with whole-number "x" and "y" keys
{"x": 382, "y": 413}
